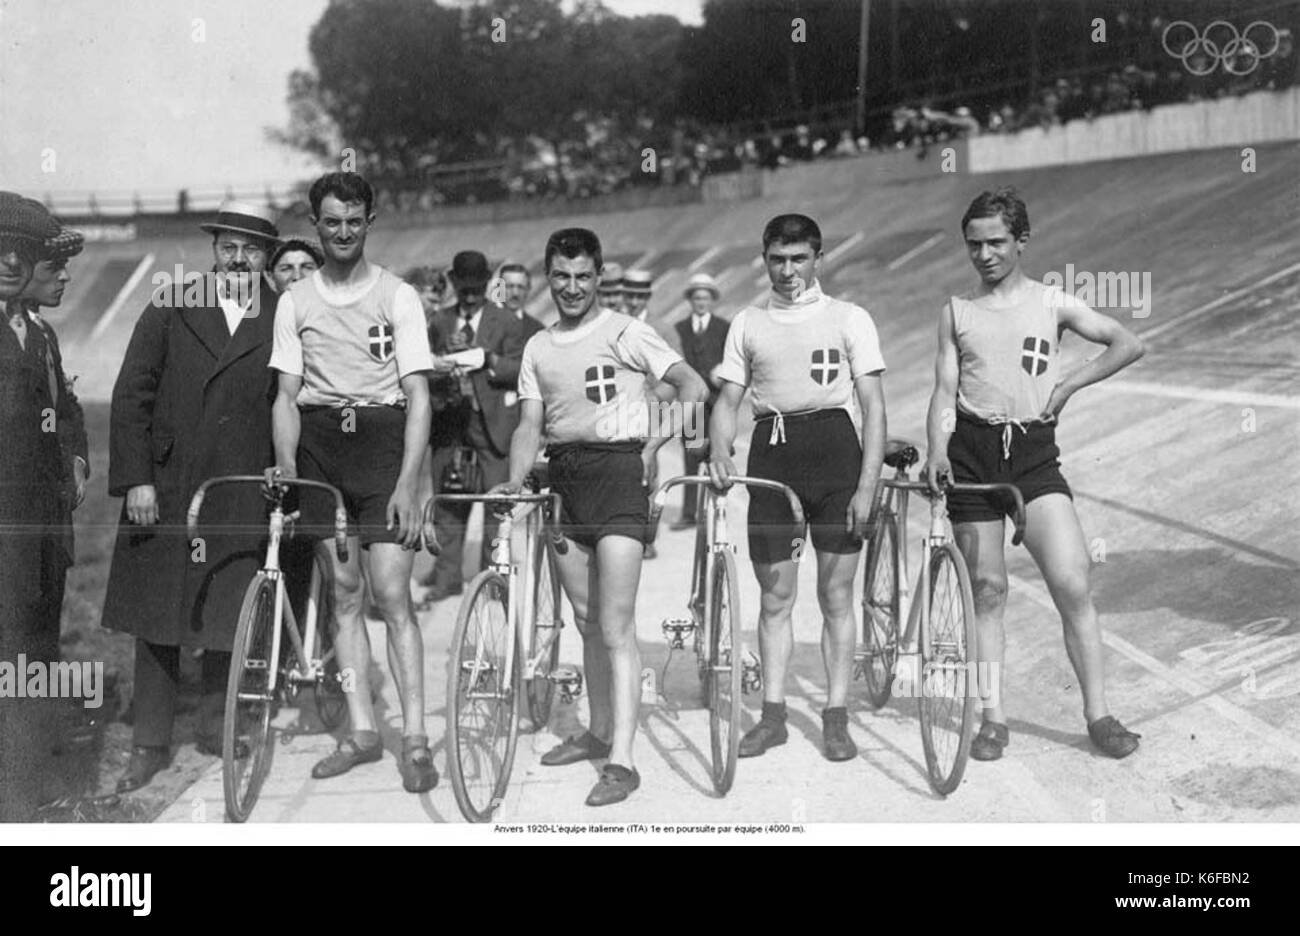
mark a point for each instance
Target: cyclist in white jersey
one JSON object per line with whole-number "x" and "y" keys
{"x": 998, "y": 395}
{"x": 807, "y": 359}
{"x": 576, "y": 379}
{"x": 353, "y": 411}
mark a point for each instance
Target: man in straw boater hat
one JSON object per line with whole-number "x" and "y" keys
{"x": 609, "y": 294}
{"x": 703, "y": 337}
{"x": 192, "y": 400}
{"x": 30, "y": 467}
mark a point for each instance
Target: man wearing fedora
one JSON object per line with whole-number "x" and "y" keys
{"x": 703, "y": 338}
{"x": 31, "y": 471}
{"x": 192, "y": 400}
{"x": 482, "y": 417}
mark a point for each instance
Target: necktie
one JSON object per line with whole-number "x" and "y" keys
{"x": 699, "y": 325}
{"x": 467, "y": 332}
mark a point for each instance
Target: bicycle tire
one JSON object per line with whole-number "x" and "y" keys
{"x": 726, "y": 669}
{"x": 482, "y": 732}
{"x": 546, "y": 622}
{"x": 249, "y": 700}
{"x": 701, "y": 618}
{"x": 880, "y": 607}
{"x": 948, "y": 689}
{"x": 331, "y": 701}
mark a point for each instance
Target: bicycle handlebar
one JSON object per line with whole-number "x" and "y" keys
{"x": 660, "y": 498}
{"x": 431, "y": 535}
{"x": 266, "y": 480}
{"x": 1018, "y": 517}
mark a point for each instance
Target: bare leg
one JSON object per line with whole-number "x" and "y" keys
{"x": 835, "y": 573}
{"x": 390, "y": 575}
{"x": 1055, "y": 540}
{"x": 352, "y": 645}
{"x": 981, "y": 545}
{"x": 577, "y": 569}
{"x": 618, "y": 564}
{"x": 779, "y": 584}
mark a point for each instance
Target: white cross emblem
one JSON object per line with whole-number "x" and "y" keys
{"x": 600, "y": 384}
{"x": 381, "y": 342}
{"x": 1034, "y": 358}
{"x": 825, "y": 365}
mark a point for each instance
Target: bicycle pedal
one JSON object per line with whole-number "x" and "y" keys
{"x": 676, "y": 631}
{"x": 859, "y": 666}
{"x": 568, "y": 680}
{"x": 482, "y": 674}
{"x": 751, "y": 672}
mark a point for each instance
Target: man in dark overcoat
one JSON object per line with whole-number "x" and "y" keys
{"x": 192, "y": 400}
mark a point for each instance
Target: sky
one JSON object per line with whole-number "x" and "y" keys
{"x": 117, "y": 96}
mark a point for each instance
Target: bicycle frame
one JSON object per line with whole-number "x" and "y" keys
{"x": 503, "y": 562}
{"x": 274, "y": 488}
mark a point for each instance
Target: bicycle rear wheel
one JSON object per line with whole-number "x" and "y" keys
{"x": 726, "y": 670}
{"x": 331, "y": 703}
{"x": 249, "y": 700}
{"x": 880, "y": 611}
{"x": 482, "y": 699}
{"x": 699, "y": 613}
{"x": 546, "y": 626}
{"x": 948, "y": 690}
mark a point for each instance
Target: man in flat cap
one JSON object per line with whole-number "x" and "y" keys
{"x": 471, "y": 438}
{"x": 31, "y": 469}
{"x": 192, "y": 400}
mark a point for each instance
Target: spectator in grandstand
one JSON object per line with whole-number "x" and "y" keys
{"x": 192, "y": 400}
{"x": 294, "y": 259}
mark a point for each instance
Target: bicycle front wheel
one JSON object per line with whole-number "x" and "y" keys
{"x": 948, "y": 686}
{"x": 546, "y": 627}
{"x": 880, "y": 612}
{"x": 482, "y": 699}
{"x": 249, "y": 700}
{"x": 726, "y": 669}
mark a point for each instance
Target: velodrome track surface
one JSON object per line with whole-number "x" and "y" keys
{"x": 1183, "y": 469}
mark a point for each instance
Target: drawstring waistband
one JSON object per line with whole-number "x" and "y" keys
{"x": 778, "y": 420}
{"x": 778, "y": 429}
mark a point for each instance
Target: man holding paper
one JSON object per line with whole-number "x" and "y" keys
{"x": 478, "y": 345}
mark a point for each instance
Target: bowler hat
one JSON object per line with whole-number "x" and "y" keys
{"x": 469, "y": 270}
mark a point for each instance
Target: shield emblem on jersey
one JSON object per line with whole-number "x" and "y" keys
{"x": 381, "y": 342}
{"x": 825, "y": 365}
{"x": 1034, "y": 357}
{"x": 600, "y": 384}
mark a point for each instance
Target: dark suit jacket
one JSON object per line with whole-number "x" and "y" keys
{"x": 34, "y": 475}
{"x": 191, "y": 401}
{"x": 531, "y": 326}
{"x": 71, "y": 430}
{"x": 499, "y": 333}
{"x": 704, "y": 352}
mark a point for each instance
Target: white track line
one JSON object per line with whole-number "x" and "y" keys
{"x": 845, "y": 247}
{"x": 1214, "y": 304}
{"x": 918, "y": 249}
{"x": 1194, "y": 688}
{"x": 120, "y": 299}
{"x": 703, "y": 259}
{"x": 1233, "y": 397}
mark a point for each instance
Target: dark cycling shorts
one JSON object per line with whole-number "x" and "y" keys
{"x": 820, "y": 460}
{"x": 358, "y": 449}
{"x": 977, "y": 456}
{"x": 600, "y": 490}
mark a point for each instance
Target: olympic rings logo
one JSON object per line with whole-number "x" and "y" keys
{"x": 1220, "y": 44}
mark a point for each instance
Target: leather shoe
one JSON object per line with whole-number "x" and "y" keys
{"x": 764, "y": 735}
{"x": 988, "y": 743}
{"x": 836, "y": 743}
{"x": 1112, "y": 738}
{"x": 416, "y": 766}
{"x": 144, "y": 763}
{"x": 349, "y": 754}
{"x": 578, "y": 748}
{"x": 616, "y": 784}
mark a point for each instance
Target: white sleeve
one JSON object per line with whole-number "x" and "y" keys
{"x": 286, "y": 346}
{"x": 642, "y": 348}
{"x": 735, "y": 362}
{"x": 527, "y": 387}
{"x": 410, "y": 332}
{"x": 862, "y": 343}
